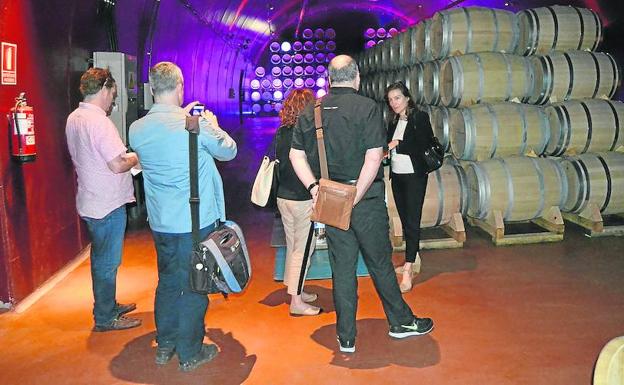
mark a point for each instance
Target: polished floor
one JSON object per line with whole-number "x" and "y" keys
{"x": 517, "y": 315}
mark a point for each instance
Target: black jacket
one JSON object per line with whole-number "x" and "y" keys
{"x": 418, "y": 134}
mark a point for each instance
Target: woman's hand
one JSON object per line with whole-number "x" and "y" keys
{"x": 393, "y": 144}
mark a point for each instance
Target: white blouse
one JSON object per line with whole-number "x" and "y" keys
{"x": 401, "y": 163}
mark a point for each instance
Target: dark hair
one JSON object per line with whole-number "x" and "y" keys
{"x": 92, "y": 81}
{"x": 296, "y": 100}
{"x": 403, "y": 88}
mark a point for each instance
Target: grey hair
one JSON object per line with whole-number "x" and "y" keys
{"x": 346, "y": 73}
{"x": 164, "y": 77}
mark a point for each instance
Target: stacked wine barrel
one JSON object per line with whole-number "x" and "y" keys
{"x": 523, "y": 99}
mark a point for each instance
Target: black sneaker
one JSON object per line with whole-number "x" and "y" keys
{"x": 119, "y": 323}
{"x": 207, "y": 353}
{"x": 164, "y": 354}
{"x": 122, "y": 309}
{"x": 418, "y": 327}
{"x": 346, "y": 346}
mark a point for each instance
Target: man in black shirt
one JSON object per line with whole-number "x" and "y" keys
{"x": 354, "y": 139}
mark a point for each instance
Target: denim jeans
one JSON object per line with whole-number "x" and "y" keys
{"x": 107, "y": 236}
{"x": 179, "y": 312}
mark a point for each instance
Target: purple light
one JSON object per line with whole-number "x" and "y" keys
{"x": 255, "y": 84}
{"x": 319, "y": 33}
{"x": 309, "y": 70}
{"x": 320, "y": 57}
{"x": 307, "y": 34}
{"x": 287, "y": 71}
{"x": 330, "y": 56}
{"x": 308, "y": 46}
{"x": 320, "y": 69}
{"x": 298, "y": 58}
{"x": 286, "y": 58}
{"x": 393, "y": 32}
{"x": 275, "y": 59}
{"x": 297, "y": 46}
{"x": 369, "y": 33}
{"x": 260, "y": 72}
{"x": 267, "y": 107}
{"x": 286, "y": 46}
{"x": 321, "y": 93}
{"x": 331, "y": 45}
{"x": 298, "y": 70}
{"x": 278, "y": 107}
{"x": 287, "y": 83}
{"x": 309, "y": 83}
{"x": 308, "y": 58}
{"x": 277, "y": 83}
{"x": 319, "y": 45}
{"x": 274, "y": 47}
{"x": 256, "y": 108}
{"x": 321, "y": 82}
{"x": 330, "y": 33}
{"x": 266, "y": 83}
{"x": 255, "y": 96}
{"x": 381, "y": 32}
{"x": 266, "y": 96}
{"x": 276, "y": 71}
{"x": 298, "y": 83}
{"x": 370, "y": 44}
{"x": 278, "y": 95}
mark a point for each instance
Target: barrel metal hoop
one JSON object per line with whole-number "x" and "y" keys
{"x": 563, "y": 182}
{"x": 496, "y": 29}
{"x": 589, "y": 126}
{"x": 495, "y": 130}
{"x": 598, "y": 30}
{"x": 481, "y": 77}
{"x": 542, "y": 187}
{"x": 469, "y": 27}
{"x": 597, "y": 65}
{"x": 616, "y": 75}
{"x": 587, "y": 182}
{"x": 510, "y": 189}
{"x": 484, "y": 189}
{"x": 509, "y": 77}
{"x": 546, "y": 129}
{"x": 469, "y": 128}
{"x": 461, "y": 178}
{"x": 458, "y": 84}
{"x": 582, "y": 21}
{"x": 535, "y": 32}
{"x": 563, "y": 128}
{"x": 609, "y": 182}
{"x": 548, "y": 81}
{"x": 571, "y": 78}
{"x": 616, "y": 134}
{"x": 582, "y": 187}
{"x": 553, "y": 46}
{"x": 568, "y": 131}
{"x": 525, "y": 131}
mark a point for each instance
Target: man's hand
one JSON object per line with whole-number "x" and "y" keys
{"x": 211, "y": 118}
{"x": 190, "y": 106}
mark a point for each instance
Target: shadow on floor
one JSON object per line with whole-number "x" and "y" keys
{"x": 280, "y": 297}
{"x": 135, "y": 363}
{"x": 375, "y": 349}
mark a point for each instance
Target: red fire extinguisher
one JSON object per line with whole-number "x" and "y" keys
{"x": 22, "y": 130}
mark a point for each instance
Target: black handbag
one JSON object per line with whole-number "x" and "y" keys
{"x": 433, "y": 155}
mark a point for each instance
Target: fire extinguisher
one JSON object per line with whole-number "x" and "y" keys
{"x": 22, "y": 130}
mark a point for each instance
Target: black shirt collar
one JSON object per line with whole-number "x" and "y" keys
{"x": 342, "y": 90}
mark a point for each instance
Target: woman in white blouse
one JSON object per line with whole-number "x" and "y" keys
{"x": 409, "y": 131}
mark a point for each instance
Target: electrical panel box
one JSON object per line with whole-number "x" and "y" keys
{"x": 124, "y": 70}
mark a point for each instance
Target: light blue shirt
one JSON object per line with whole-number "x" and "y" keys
{"x": 162, "y": 144}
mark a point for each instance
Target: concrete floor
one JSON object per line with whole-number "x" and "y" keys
{"x": 532, "y": 314}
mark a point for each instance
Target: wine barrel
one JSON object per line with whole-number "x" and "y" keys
{"x": 485, "y": 131}
{"x": 431, "y": 82}
{"x": 416, "y": 82}
{"x": 484, "y": 77}
{"x": 521, "y": 188}
{"x": 386, "y": 50}
{"x": 440, "y": 118}
{"x": 573, "y": 75}
{"x": 597, "y": 178}
{"x": 609, "y": 368}
{"x": 377, "y": 58}
{"x": 463, "y": 30}
{"x": 394, "y": 61}
{"x": 407, "y": 47}
{"x": 423, "y": 47}
{"x": 445, "y": 195}
{"x": 590, "y": 125}
{"x": 558, "y": 28}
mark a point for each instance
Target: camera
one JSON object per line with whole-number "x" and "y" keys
{"x": 197, "y": 109}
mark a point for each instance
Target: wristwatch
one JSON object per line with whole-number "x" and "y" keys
{"x": 311, "y": 186}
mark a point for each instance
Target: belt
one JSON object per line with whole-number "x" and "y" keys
{"x": 352, "y": 182}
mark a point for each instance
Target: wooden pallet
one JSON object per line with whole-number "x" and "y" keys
{"x": 455, "y": 229}
{"x": 593, "y": 222}
{"x": 551, "y": 221}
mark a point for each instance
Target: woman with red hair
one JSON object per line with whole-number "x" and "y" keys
{"x": 295, "y": 206}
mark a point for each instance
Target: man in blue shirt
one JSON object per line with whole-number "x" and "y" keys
{"x": 161, "y": 141}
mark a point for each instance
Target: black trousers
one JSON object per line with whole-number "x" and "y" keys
{"x": 369, "y": 232}
{"x": 409, "y": 196}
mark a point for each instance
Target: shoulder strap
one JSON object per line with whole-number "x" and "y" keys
{"x": 318, "y": 123}
{"x": 192, "y": 126}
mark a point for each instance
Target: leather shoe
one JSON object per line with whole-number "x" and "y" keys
{"x": 308, "y": 297}
{"x": 164, "y": 354}
{"x": 207, "y": 353}
{"x": 119, "y": 323}
{"x": 125, "y": 308}
{"x": 308, "y": 310}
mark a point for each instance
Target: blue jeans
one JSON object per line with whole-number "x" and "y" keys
{"x": 107, "y": 236}
{"x": 178, "y": 311}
